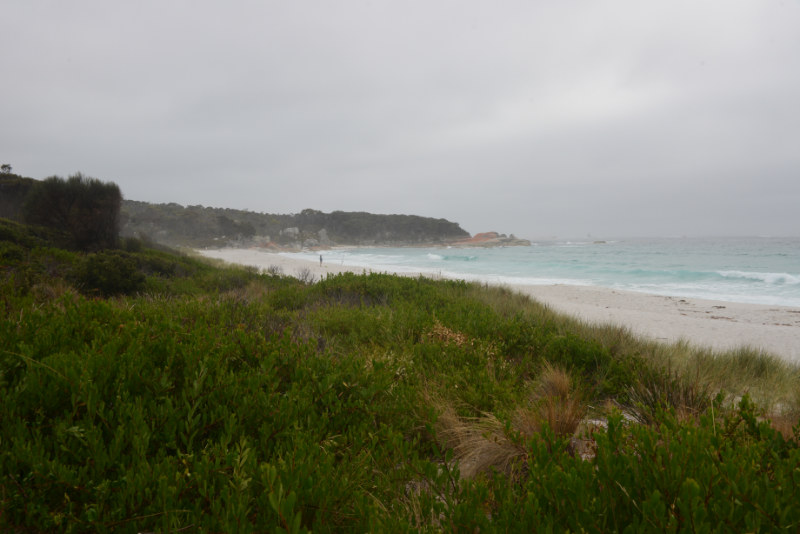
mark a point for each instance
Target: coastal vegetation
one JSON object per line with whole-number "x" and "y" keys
{"x": 13, "y": 190}
{"x": 147, "y": 391}
{"x": 86, "y": 208}
{"x": 199, "y": 226}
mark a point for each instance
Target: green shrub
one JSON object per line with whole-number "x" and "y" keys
{"x": 132, "y": 244}
{"x": 108, "y": 273}
{"x": 31, "y": 236}
{"x": 11, "y": 253}
{"x": 86, "y": 208}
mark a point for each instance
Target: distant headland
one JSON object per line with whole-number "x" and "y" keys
{"x": 199, "y": 226}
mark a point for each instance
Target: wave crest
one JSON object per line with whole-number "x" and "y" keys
{"x": 767, "y": 278}
{"x": 439, "y": 257}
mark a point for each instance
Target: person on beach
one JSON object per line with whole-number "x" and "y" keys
{"x": 320, "y": 260}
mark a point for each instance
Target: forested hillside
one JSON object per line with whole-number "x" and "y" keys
{"x": 199, "y": 226}
{"x": 174, "y": 224}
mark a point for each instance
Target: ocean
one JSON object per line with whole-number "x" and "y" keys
{"x": 758, "y": 270}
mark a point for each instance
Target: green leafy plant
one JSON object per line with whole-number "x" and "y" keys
{"x": 108, "y": 273}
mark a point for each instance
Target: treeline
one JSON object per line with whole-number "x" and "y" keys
{"x": 96, "y": 215}
{"x": 13, "y": 190}
{"x": 173, "y": 224}
{"x": 85, "y": 209}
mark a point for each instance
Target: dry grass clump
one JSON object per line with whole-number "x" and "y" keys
{"x": 486, "y": 443}
{"x": 786, "y": 423}
{"x": 51, "y": 290}
{"x": 441, "y": 333}
{"x": 254, "y": 291}
{"x": 479, "y": 443}
{"x": 556, "y": 402}
{"x": 785, "y": 417}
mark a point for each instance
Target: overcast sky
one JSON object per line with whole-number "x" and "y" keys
{"x": 539, "y": 118}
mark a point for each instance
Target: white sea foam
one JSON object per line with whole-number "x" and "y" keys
{"x": 751, "y": 270}
{"x": 767, "y": 278}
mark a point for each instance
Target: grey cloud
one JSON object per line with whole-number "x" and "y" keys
{"x": 616, "y": 118}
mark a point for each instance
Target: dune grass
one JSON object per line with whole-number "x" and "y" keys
{"x": 769, "y": 380}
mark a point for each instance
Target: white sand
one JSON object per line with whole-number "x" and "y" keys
{"x": 718, "y": 325}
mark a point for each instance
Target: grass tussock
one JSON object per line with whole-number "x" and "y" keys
{"x": 443, "y": 334}
{"x": 49, "y": 291}
{"x": 486, "y": 443}
{"x": 769, "y": 380}
{"x": 664, "y": 389}
{"x": 251, "y": 292}
{"x": 480, "y": 444}
{"x": 557, "y": 402}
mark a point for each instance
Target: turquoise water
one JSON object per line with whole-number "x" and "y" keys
{"x": 753, "y": 270}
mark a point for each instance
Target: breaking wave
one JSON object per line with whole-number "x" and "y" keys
{"x": 767, "y": 278}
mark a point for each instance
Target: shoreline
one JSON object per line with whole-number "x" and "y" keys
{"x": 706, "y": 323}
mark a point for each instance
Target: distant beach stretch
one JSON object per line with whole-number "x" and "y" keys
{"x": 715, "y": 323}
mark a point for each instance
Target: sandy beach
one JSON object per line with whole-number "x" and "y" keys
{"x": 714, "y": 324}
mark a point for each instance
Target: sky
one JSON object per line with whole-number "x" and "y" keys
{"x": 539, "y": 118}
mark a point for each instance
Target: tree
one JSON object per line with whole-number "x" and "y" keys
{"x": 86, "y": 208}
{"x": 5, "y": 168}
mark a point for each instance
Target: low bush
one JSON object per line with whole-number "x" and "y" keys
{"x": 108, "y": 273}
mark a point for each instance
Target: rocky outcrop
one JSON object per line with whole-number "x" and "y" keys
{"x": 492, "y": 239}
